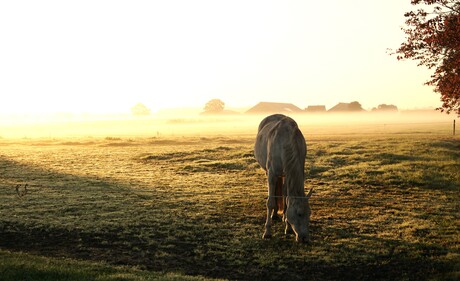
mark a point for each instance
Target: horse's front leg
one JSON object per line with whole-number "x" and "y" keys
{"x": 271, "y": 205}
{"x": 288, "y": 230}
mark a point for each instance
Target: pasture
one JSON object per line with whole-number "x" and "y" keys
{"x": 385, "y": 207}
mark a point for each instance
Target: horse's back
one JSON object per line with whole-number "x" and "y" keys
{"x": 265, "y": 127}
{"x": 274, "y": 134}
{"x": 272, "y": 119}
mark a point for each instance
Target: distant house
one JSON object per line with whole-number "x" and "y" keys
{"x": 274, "y": 107}
{"x": 315, "y": 108}
{"x": 347, "y": 107}
{"x": 385, "y": 108}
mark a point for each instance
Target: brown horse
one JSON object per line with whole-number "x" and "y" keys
{"x": 280, "y": 150}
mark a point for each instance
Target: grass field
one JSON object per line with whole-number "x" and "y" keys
{"x": 385, "y": 207}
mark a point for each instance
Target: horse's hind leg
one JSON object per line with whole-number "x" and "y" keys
{"x": 271, "y": 204}
{"x": 268, "y": 222}
{"x": 278, "y": 199}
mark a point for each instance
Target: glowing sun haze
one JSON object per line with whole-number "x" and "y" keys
{"x": 106, "y": 56}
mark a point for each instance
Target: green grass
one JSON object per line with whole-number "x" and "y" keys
{"x": 384, "y": 207}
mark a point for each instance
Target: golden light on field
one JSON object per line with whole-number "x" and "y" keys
{"x": 105, "y": 56}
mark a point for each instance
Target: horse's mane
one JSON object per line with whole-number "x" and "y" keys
{"x": 294, "y": 161}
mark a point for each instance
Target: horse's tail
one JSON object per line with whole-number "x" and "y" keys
{"x": 279, "y": 195}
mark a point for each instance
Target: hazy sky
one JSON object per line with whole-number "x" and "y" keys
{"x": 90, "y": 56}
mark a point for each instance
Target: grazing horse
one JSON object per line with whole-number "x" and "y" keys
{"x": 280, "y": 150}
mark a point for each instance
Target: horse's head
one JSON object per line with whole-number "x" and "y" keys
{"x": 298, "y": 216}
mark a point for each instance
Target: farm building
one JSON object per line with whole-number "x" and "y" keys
{"x": 315, "y": 108}
{"x": 274, "y": 107}
{"x": 347, "y": 107}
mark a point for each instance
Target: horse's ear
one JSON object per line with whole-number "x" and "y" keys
{"x": 309, "y": 193}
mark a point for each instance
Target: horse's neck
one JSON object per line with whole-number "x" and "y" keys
{"x": 294, "y": 169}
{"x": 295, "y": 184}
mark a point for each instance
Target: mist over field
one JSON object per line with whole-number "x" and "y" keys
{"x": 173, "y": 124}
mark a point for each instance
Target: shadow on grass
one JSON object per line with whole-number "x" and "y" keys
{"x": 22, "y": 266}
{"x": 26, "y": 272}
{"x": 13, "y": 173}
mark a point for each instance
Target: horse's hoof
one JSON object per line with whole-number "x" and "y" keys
{"x": 266, "y": 236}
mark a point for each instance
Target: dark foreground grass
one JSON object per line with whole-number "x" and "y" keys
{"x": 384, "y": 207}
{"x": 21, "y": 266}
